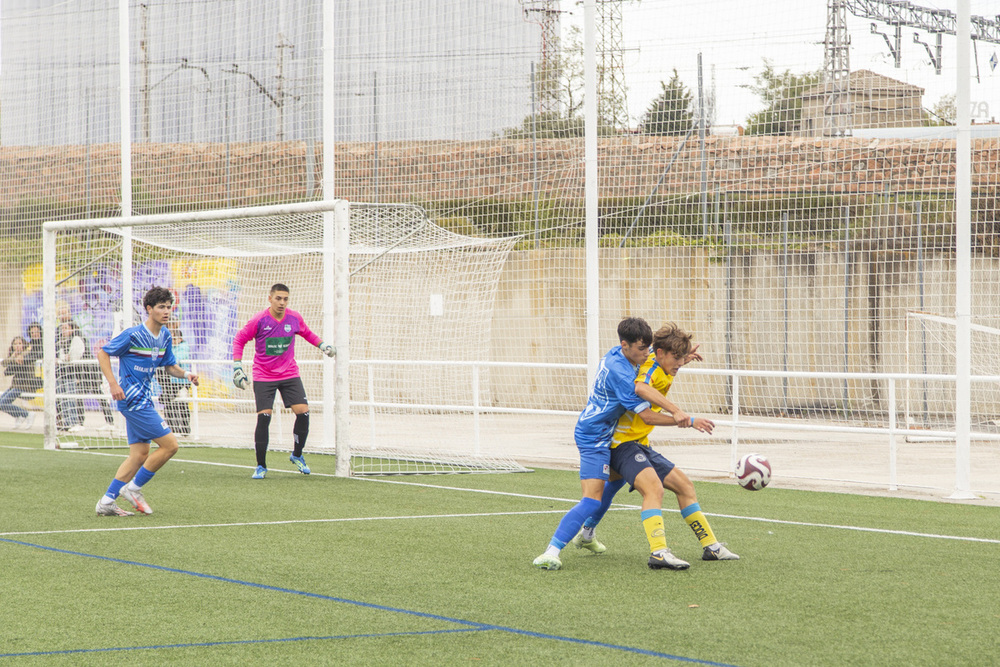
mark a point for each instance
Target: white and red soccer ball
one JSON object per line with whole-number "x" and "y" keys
{"x": 753, "y": 472}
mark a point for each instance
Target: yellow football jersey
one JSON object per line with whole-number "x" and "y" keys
{"x": 630, "y": 425}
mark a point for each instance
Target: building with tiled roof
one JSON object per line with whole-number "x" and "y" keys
{"x": 874, "y": 101}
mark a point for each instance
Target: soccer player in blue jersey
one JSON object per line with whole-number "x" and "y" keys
{"x": 648, "y": 471}
{"x": 141, "y": 350}
{"x": 613, "y": 393}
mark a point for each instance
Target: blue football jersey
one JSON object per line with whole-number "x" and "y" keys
{"x": 612, "y": 395}
{"x": 139, "y": 354}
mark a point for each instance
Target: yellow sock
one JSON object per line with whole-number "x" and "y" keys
{"x": 699, "y": 524}
{"x": 652, "y": 521}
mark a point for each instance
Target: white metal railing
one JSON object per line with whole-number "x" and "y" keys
{"x": 892, "y": 430}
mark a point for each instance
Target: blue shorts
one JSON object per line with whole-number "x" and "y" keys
{"x": 144, "y": 425}
{"x": 630, "y": 458}
{"x": 595, "y": 462}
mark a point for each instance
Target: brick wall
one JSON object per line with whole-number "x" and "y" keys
{"x": 242, "y": 174}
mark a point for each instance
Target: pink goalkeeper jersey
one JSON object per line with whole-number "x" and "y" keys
{"x": 274, "y": 346}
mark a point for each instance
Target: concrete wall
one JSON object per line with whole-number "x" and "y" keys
{"x": 838, "y": 313}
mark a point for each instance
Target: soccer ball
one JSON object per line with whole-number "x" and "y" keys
{"x": 753, "y": 472}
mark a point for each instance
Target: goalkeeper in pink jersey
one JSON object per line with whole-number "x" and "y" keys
{"x": 274, "y": 370}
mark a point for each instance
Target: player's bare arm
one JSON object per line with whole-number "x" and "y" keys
{"x": 178, "y": 372}
{"x": 692, "y": 356}
{"x": 650, "y": 395}
{"x": 654, "y": 418}
{"x": 104, "y": 361}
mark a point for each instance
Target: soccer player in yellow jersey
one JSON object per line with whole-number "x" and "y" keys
{"x": 635, "y": 462}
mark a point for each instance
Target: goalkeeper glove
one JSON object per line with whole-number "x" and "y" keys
{"x": 327, "y": 349}
{"x": 239, "y": 377}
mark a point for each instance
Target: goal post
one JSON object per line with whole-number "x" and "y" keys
{"x": 931, "y": 352}
{"x": 413, "y": 299}
{"x": 335, "y": 242}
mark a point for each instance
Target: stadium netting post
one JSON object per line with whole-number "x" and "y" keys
{"x": 420, "y": 303}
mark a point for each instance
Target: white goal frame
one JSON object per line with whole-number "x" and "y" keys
{"x": 975, "y": 379}
{"x": 336, "y": 302}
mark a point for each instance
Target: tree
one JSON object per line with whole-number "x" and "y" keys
{"x": 547, "y": 125}
{"x": 782, "y": 94}
{"x": 568, "y": 122}
{"x": 944, "y": 112}
{"x": 571, "y": 75}
{"x": 670, "y": 113}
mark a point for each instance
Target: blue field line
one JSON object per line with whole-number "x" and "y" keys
{"x": 367, "y": 605}
{"x": 152, "y": 647}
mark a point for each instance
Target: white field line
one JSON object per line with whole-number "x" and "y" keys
{"x": 616, "y": 506}
{"x": 281, "y": 523}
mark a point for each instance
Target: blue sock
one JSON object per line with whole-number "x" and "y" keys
{"x": 610, "y": 489}
{"x": 570, "y": 524}
{"x": 142, "y": 477}
{"x": 650, "y": 513}
{"x": 114, "y": 488}
{"x": 690, "y": 509}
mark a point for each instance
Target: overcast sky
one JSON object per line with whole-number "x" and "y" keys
{"x": 735, "y": 36}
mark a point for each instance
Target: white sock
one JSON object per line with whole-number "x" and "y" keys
{"x": 105, "y": 500}
{"x": 132, "y": 486}
{"x": 552, "y": 551}
{"x": 588, "y": 533}
{"x": 715, "y": 546}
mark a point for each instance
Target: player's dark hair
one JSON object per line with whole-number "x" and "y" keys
{"x": 157, "y": 295}
{"x": 671, "y": 338}
{"x": 634, "y": 329}
{"x": 280, "y": 287}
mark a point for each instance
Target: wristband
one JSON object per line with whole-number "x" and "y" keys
{"x": 692, "y": 422}
{"x": 188, "y": 375}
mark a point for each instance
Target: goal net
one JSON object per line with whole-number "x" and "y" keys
{"x": 783, "y": 185}
{"x": 421, "y": 308}
{"x": 930, "y": 351}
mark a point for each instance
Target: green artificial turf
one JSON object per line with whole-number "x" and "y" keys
{"x": 436, "y": 570}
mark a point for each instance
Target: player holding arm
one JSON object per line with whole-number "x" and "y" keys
{"x": 635, "y": 462}
{"x": 613, "y": 393}
{"x": 273, "y": 331}
{"x": 655, "y": 398}
{"x": 141, "y": 350}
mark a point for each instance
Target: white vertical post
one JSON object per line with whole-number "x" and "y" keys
{"x": 125, "y": 129}
{"x": 590, "y": 188}
{"x": 49, "y": 337}
{"x": 734, "y": 438}
{"x": 475, "y": 409}
{"x": 963, "y": 254}
{"x": 907, "y": 419}
{"x": 329, "y": 335}
{"x": 342, "y": 380}
{"x": 372, "y": 436}
{"x": 892, "y": 435}
{"x": 337, "y": 282}
{"x": 195, "y": 425}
